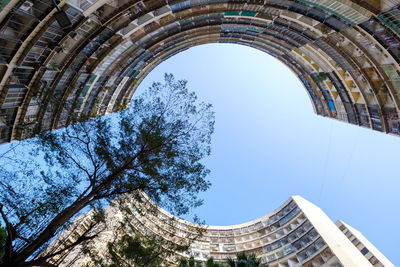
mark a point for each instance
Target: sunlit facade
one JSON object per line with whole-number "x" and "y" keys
{"x": 345, "y": 52}
{"x": 297, "y": 233}
{"x": 369, "y": 251}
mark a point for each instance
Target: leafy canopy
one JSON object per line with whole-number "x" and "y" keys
{"x": 155, "y": 146}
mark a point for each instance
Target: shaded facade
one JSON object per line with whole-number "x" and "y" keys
{"x": 297, "y": 233}
{"x": 345, "y": 52}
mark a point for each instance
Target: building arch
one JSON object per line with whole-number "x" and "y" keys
{"x": 346, "y": 53}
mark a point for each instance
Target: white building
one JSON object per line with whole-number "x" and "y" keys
{"x": 297, "y": 233}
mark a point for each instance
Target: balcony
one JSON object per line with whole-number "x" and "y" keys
{"x": 15, "y": 96}
{"x": 391, "y": 19}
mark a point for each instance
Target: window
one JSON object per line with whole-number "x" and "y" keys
{"x": 348, "y": 234}
{"x": 214, "y": 247}
{"x": 364, "y": 251}
{"x": 229, "y": 247}
{"x": 355, "y": 241}
{"x": 373, "y": 260}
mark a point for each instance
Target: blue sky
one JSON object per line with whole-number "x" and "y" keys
{"x": 269, "y": 144}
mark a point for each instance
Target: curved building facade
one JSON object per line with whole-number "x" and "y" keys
{"x": 345, "y": 52}
{"x": 297, "y": 233}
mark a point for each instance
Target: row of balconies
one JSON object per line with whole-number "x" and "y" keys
{"x": 311, "y": 249}
{"x": 149, "y": 223}
{"x": 388, "y": 40}
{"x": 294, "y": 235}
{"x": 254, "y": 244}
{"x": 391, "y": 19}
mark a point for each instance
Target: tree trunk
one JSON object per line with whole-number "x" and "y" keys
{"x": 50, "y": 230}
{"x": 20, "y": 257}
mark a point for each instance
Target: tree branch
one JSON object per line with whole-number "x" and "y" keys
{"x": 79, "y": 166}
{"x": 81, "y": 239}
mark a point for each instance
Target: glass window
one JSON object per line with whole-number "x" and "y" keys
{"x": 364, "y": 251}
{"x": 355, "y": 241}
{"x": 373, "y": 260}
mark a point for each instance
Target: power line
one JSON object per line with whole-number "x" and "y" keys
{"x": 326, "y": 162}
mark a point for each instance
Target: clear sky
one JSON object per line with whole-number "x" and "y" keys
{"x": 269, "y": 144}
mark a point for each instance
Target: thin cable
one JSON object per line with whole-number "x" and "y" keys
{"x": 355, "y": 143}
{"x": 326, "y": 162}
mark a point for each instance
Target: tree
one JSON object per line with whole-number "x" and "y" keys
{"x": 132, "y": 246}
{"x": 3, "y": 236}
{"x": 243, "y": 260}
{"x": 192, "y": 262}
{"x": 156, "y": 147}
{"x": 183, "y": 262}
{"x": 210, "y": 263}
{"x": 138, "y": 250}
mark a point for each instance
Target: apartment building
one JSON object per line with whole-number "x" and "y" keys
{"x": 345, "y": 52}
{"x": 297, "y": 233}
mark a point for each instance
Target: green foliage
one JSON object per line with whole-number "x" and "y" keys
{"x": 210, "y": 263}
{"x": 320, "y": 77}
{"x": 156, "y": 147}
{"x": 324, "y": 29}
{"x": 53, "y": 66}
{"x": 183, "y": 262}
{"x": 243, "y": 260}
{"x": 141, "y": 251}
{"x": 3, "y": 236}
{"x": 192, "y": 262}
{"x": 133, "y": 248}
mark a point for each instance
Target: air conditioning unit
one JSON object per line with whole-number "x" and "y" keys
{"x": 26, "y": 6}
